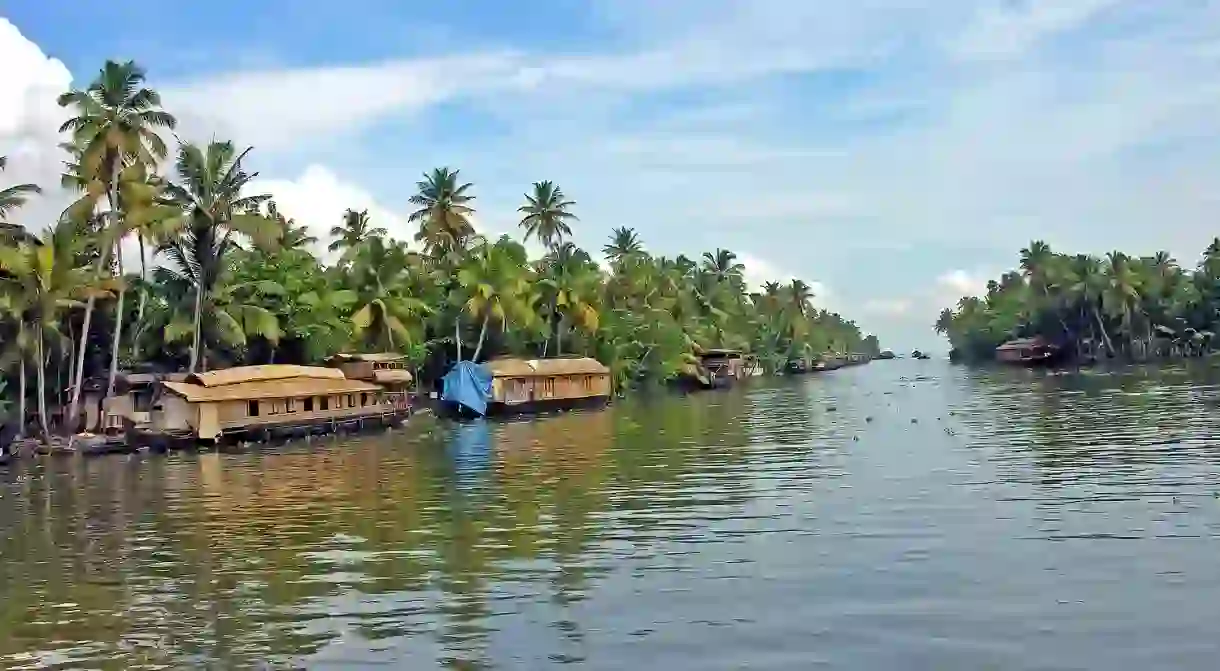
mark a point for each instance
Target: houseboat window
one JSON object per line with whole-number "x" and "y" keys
{"x": 308, "y": 404}
{"x": 252, "y": 408}
{"x": 548, "y": 386}
{"x": 325, "y": 402}
{"x": 588, "y": 383}
{"x": 273, "y": 408}
{"x": 290, "y": 405}
{"x": 364, "y": 399}
{"x": 351, "y": 400}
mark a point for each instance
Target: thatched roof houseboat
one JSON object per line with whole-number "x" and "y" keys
{"x": 512, "y": 385}
{"x": 259, "y": 401}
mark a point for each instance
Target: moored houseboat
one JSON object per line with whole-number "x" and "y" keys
{"x": 262, "y": 401}
{"x": 1028, "y": 352}
{"x": 385, "y": 369}
{"x": 512, "y": 385}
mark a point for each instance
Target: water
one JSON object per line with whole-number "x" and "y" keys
{"x": 904, "y": 515}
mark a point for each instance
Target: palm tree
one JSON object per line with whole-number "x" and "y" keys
{"x": 355, "y": 229}
{"x": 623, "y": 243}
{"x": 547, "y": 214}
{"x": 117, "y": 119}
{"x": 1122, "y": 292}
{"x": 444, "y": 212}
{"x": 14, "y": 304}
{"x": 570, "y": 286}
{"x": 388, "y": 315}
{"x": 497, "y": 280}
{"x": 44, "y": 279}
{"x": 723, "y": 266}
{"x": 12, "y": 198}
{"x": 290, "y": 236}
{"x": 208, "y": 196}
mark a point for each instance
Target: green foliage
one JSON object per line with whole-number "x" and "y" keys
{"x": 1119, "y": 305}
{"x": 237, "y": 281}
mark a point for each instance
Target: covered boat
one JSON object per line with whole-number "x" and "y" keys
{"x": 512, "y": 385}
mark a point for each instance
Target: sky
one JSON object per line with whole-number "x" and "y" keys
{"x": 893, "y": 156}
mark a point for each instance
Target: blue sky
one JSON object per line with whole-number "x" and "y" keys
{"x": 895, "y": 156}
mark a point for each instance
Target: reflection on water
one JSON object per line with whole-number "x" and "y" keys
{"x": 899, "y": 515}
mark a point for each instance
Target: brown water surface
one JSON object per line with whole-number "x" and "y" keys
{"x": 901, "y": 515}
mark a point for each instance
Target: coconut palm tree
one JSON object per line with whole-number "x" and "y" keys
{"x": 444, "y": 212}
{"x": 43, "y": 279}
{"x": 623, "y": 243}
{"x": 355, "y": 229}
{"x": 289, "y": 236}
{"x": 547, "y": 214}
{"x": 570, "y": 285}
{"x": 12, "y": 198}
{"x": 387, "y": 316}
{"x": 116, "y": 119}
{"x": 213, "y": 216}
{"x": 723, "y": 266}
{"x": 497, "y": 280}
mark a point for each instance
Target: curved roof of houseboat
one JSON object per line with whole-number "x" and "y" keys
{"x": 242, "y": 374}
{"x": 374, "y": 357}
{"x": 512, "y": 367}
{"x": 260, "y": 389}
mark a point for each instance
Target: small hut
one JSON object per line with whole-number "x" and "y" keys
{"x": 528, "y": 385}
{"x": 267, "y": 399}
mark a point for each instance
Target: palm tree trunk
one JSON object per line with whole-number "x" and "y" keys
{"x": 138, "y": 329}
{"x": 103, "y": 256}
{"x": 482, "y": 334}
{"x": 195, "y": 340}
{"x": 117, "y": 342}
{"x": 78, "y": 373}
{"x": 42, "y": 388}
{"x": 457, "y": 337}
{"x": 1101, "y": 326}
{"x": 21, "y": 381}
{"x": 559, "y": 336}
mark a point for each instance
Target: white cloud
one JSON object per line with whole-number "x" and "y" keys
{"x": 963, "y": 281}
{"x": 276, "y": 109}
{"x": 1009, "y": 29}
{"x": 29, "y": 123}
{"x": 759, "y": 271}
{"x": 889, "y": 307}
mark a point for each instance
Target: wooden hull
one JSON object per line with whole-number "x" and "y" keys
{"x": 161, "y": 441}
{"x": 497, "y": 409}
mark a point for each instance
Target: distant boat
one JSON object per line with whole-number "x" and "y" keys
{"x": 886, "y": 354}
{"x": 919, "y": 355}
{"x": 1028, "y": 352}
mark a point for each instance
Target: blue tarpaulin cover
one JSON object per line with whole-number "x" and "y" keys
{"x": 468, "y": 384}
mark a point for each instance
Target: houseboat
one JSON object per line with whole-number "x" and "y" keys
{"x": 385, "y": 369}
{"x": 512, "y": 385}
{"x": 1028, "y": 352}
{"x": 262, "y": 401}
{"x": 718, "y": 368}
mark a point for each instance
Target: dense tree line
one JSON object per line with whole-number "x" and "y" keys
{"x": 1122, "y": 306}
{"x": 236, "y": 281}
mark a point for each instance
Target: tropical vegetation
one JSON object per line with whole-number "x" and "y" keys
{"x": 1117, "y": 305}
{"x": 224, "y": 277}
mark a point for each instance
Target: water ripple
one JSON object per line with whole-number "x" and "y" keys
{"x": 900, "y": 515}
